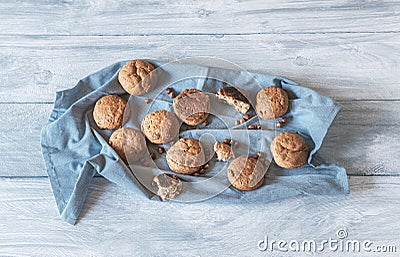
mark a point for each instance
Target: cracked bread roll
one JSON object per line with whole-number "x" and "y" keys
{"x": 160, "y": 127}
{"x": 246, "y": 173}
{"x": 186, "y": 156}
{"x": 271, "y": 102}
{"x": 169, "y": 186}
{"x": 289, "y": 150}
{"x": 192, "y": 106}
{"x": 223, "y": 151}
{"x": 232, "y": 96}
{"x": 128, "y": 143}
{"x": 137, "y": 77}
{"x": 108, "y": 112}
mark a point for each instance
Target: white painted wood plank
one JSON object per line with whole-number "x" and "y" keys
{"x": 20, "y": 127}
{"x": 364, "y": 138}
{"x": 111, "y": 17}
{"x": 117, "y": 222}
{"x": 343, "y": 66}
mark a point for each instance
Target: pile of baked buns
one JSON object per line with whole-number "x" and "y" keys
{"x": 192, "y": 107}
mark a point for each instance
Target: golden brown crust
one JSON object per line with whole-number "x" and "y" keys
{"x": 186, "y": 156}
{"x": 168, "y": 186}
{"x": 108, "y": 112}
{"x": 137, "y": 77}
{"x": 223, "y": 151}
{"x": 179, "y": 168}
{"x": 192, "y": 106}
{"x": 128, "y": 143}
{"x": 289, "y": 150}
{"x": 160, "y": 127}
{"x": 231, "y": 95}
{"x": 246, "y": 173}
{"x": 271, "y": 102}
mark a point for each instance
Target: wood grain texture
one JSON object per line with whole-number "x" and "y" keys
{"x": 118, "y": 222}
{"x": 343, "y": 66}
{"x": 20, "y": 152}
{"x": 348, "y": 50}
{"x": 111, "y": 17}
{"x": 364, "y": 138}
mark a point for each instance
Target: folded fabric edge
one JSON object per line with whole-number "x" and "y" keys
{"x": 329, "y": 120}
{"x": 64, "y": 206}
{"x": 54, "y": 183}
{"x": 341, "y": 177}
{"x": 74, "y": 206}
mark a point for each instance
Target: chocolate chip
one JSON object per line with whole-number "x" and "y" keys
{"x": 171, "y": 95}
{"x": 241, "y": 120}
{"x": 237, "y": 122}
{"x": 161, "y": 150}
{"x": 147, "y": 100}
{"x": 284, "y": 119}
{"x": 258, "y": 126}
{"x": 168, "y": 90}
{"x": 227, "y": 141}
{"x": 246, "y": 116}
{"x": 251, "y": 127}
{"x": 153, "y": 156}
{"x": 279, "y": 125}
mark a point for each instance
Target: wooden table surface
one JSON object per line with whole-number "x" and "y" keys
{"x": 348, "y": 50}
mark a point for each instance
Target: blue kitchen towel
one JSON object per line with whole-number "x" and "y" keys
{"x": 75, "y": 149}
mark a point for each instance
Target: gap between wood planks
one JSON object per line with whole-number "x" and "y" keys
{"x": 46, "y": 177}
{"x": 344, "y": 66}
{"x": 200, "y": 34}
{"x": 106, "y": 17}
